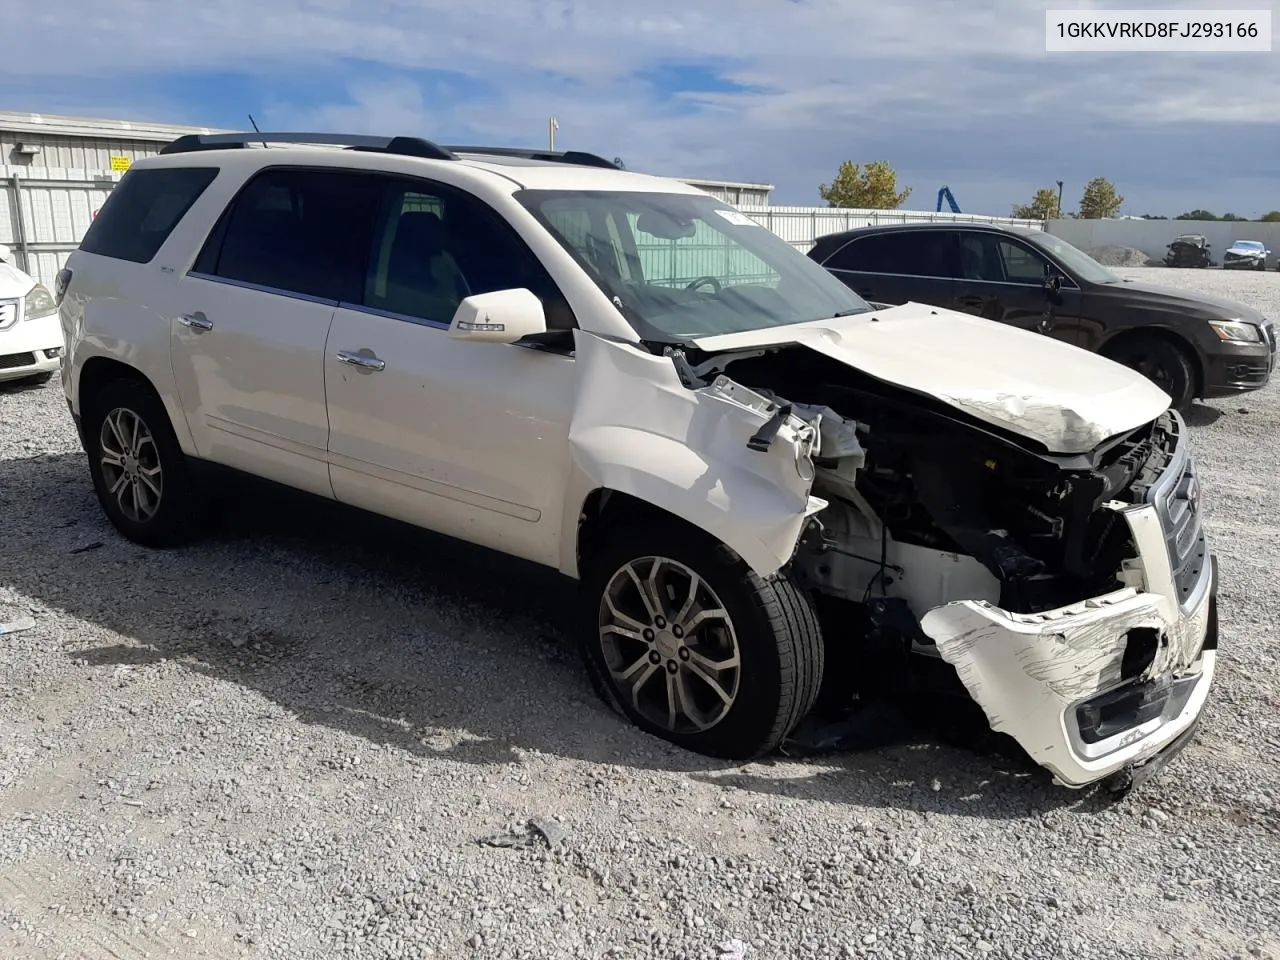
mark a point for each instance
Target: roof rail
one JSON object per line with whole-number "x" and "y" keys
{"x": 578, "y": 157}
{"x": 403, "y": 146}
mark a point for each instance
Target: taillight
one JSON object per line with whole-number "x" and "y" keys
{"x": 60, "y": 284}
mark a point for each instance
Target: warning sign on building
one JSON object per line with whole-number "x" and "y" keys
{"x": 120, "y": 164}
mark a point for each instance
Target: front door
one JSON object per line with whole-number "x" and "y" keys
{"x": 1003, "y": 279}
{"x": 253, "y": 314}
{"x": 468, "y": 439}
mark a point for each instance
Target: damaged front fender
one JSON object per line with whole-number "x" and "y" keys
{"x": 638, "y": 429}
{"x": 1094, "y": 687}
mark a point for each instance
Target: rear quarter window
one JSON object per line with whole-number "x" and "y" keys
{"x": 142, "y": 211}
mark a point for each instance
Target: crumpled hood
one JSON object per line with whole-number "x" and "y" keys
{"x": 1063, "y": 397}
{"x": 14, "y": 284}
{"x": 1156, "y": 297}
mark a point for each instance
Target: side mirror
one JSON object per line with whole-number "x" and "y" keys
{"x": 6, "y": 254}
{"x": 1052, "y": 282}
{"x": 503, "y": 316}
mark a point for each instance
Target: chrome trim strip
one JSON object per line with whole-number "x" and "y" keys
{"x": 263, "y": 288}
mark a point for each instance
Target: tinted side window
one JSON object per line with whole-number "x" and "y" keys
{"x": 304, "y": 231}
{"x": 919, "y": 253}
{"x": 1021, "y": 264}
{"x": 434, "y": 245}
{"x": 985, "y": 256}
{"x": 142, "y": 210}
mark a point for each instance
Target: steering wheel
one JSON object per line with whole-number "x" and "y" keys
{"x": 705, "y": 280}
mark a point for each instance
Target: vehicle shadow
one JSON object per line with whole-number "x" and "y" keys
{"x": 406, "y": 639}
{"x": 1202, "y": 415}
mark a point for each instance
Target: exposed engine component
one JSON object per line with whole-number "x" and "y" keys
{"x": 930, "y": 508}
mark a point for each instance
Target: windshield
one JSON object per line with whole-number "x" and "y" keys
{"x": 1248, "y": 245}
{"x": 681, "y": 266}
{"x": 1073, "y": 258}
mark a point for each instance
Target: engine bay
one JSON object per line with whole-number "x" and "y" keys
{"x": 929, "y": 507}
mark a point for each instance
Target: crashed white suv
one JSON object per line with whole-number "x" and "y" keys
{"x": 761, "y": 481}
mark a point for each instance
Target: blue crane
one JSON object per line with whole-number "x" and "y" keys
{"x": 945, "y": 193}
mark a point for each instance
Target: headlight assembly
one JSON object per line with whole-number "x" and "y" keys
{"x": 1236, "y": 330}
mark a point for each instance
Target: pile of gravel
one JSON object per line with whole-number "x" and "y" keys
{"x": 291, "y": 742}
{"x": 1117, "y": 255}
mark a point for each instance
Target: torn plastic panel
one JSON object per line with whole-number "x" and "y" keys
{"x": 647, "y": 426}
{"x": 1094, "y": 687}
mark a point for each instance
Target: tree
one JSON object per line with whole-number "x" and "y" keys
{"x": 1196, "y": 215}
{"x": 1099, "y": 200}
{"x": 875, "y": 187}
{"x": 1043, "y": 206}
{"x": 1272, "y": 217}
{"x": 1232, "y": 216}
{"x": 1154, "y": 216}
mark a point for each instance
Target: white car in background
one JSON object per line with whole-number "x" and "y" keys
{"x": 1245, "y": 255}
{"x": 30, "y": 333}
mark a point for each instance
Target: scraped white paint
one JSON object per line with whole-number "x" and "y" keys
{"x": 638, "y": 430}
{"x": 1066, "y": 398}
{"x": 1027, "y": 671}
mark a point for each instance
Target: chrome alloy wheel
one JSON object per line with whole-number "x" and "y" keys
{"x": 670, "y": 645}
{"x": 131, "y": 464}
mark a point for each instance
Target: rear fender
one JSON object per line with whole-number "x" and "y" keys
{"x": 638, "y": 429}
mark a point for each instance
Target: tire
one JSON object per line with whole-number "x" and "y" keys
{"x": 770, "y": 621}
{"x": 1165, "y": 364}
{"x": 178, "y": 514}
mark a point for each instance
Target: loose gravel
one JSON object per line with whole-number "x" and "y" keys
{"x": 290, "y": 740}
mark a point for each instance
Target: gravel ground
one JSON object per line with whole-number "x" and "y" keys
{"x": 286, "y": 742}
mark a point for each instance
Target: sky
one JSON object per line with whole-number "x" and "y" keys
{"x": 954, "y": 92}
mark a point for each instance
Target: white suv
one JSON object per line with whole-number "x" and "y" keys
{"x": 764, "y": 484}
{"x": 30, "y": 335}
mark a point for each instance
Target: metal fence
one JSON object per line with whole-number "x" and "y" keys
{"x": 45, "y": 212}
{"x": 801, "y": 226}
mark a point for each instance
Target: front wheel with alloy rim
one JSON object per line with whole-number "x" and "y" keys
{"x": 1163, "y": 363}
{"x": 682, "y": 638}
{"x": 139, "y": 472}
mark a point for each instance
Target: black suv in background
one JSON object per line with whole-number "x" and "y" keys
{"x": 1191, "y": 345}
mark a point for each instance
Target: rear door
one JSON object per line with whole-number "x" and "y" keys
{"x": 897, "y": 266}
{"x": 253, "y": 314}
{"x": 1002, "y": 279}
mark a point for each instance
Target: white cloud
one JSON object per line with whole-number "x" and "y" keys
{"x": 914, "y": 81}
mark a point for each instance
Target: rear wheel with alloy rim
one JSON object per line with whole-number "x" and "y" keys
{"x": 681, "y": 637}
{"x": 140, "y": 475}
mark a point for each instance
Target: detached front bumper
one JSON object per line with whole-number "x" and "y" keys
{"x": 1109, "y": 684}
{"x": 30, "y": 347}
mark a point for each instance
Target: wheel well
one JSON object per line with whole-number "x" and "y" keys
{"x": 99, "y": 371}
{"x": 604, "y": 509}
{"x": 1156, "y": 333}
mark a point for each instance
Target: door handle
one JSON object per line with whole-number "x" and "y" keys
{"x": 196, "y": 321}
{"x": 972, "y": 300}
{"x": 362, "y": 360}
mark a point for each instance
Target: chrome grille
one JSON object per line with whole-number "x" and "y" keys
{"x": 1176, "y": 498}
{"x": 8, "y": 313}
